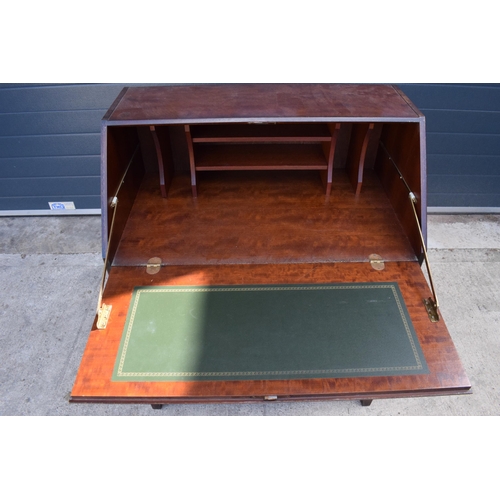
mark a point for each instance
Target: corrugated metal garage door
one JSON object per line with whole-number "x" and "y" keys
{"x": 463, "y": 144}
{"x": 49, "y": 145}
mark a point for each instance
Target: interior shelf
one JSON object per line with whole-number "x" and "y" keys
{"x": 243, "y": 132}
{"x": 261, "y": 146}
{"x": 259, "y": 157}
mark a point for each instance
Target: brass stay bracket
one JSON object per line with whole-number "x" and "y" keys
{"x": 431, "y": 304}
{"x": 104, "y": 310}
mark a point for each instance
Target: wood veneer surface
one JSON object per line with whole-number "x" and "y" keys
{"x": 93, "y": 382}
{"x": 265, "y": 228}
{"x": 259, "y": 102}
{"x": 280, "y": 132}
{"x": 262, "y": 218}
{"x": 260, "y": 156}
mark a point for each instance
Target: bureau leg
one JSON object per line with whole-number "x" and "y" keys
{"x": 156, "y": 407}
{"x": 366, "y": 402}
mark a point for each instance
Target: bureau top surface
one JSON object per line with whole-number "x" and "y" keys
{"x": 213, "y": 103}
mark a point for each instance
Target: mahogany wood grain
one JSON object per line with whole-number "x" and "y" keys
{"x": 403, "y": 144}
{"x": 161, "y": 139}
{"x": 329, "y": 151}
{"x": 262, "y": 217}
{"x": 357, "y": 180}
{"x": 357, "y": 144}
{"x": 279, "y": 132}
{"x": 260, "y": 157}
{"x": 373, "y": 145}
{"x": 362, "y": 152}
{"x": 342, "y": 145}
{"x": 281, "y": 146}
{"x": 254, "y": 227}
{"x": 192, "y": 163}
{"x": 93, "y": 382}
{"x": 213, "y": 103}
{"x": 120, "y": 152}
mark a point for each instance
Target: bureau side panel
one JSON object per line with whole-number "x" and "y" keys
{"x": 401, "y": 167}
{"x": 122, "y": 170}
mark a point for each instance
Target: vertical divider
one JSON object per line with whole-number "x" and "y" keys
{"x": 362, "y": 152}
{"x": 334, "y": 130}
{"x": 165, "y": 167}
{"x": 192, "y": 164}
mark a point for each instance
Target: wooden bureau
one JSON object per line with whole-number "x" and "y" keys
{"x": 265, "y": 184}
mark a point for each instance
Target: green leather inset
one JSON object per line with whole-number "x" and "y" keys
{"x": 267, "y": 332}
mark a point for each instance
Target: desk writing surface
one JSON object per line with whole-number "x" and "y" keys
{"x": 243, "y": 102}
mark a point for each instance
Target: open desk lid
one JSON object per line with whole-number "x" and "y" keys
{"x": 95, "y": 381}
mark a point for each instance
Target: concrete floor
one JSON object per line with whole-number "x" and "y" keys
{"x": 50, "y": 269}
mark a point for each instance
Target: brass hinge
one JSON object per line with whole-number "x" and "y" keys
{"x": 103, "y": 316}
{"x": 432, "y": 310}
{"x": 376, "y": 262}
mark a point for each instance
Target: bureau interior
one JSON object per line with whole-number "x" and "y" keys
{"x": 261, "y": 193}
